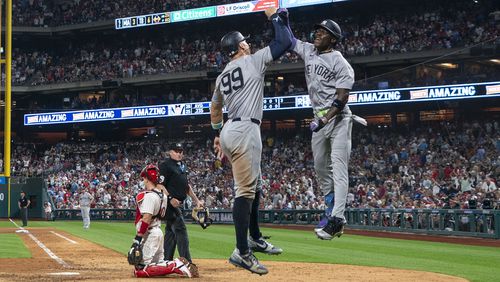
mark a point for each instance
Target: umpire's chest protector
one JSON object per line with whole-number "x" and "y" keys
{"x": 176, "y": 182}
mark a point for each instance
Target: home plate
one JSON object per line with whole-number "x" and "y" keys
{"x": 22, "y": 231}
{"x": 64, "y": 273}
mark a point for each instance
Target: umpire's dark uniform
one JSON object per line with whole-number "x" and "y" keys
{"x": 23, "y": 207}
{"x": 175, "y": 173}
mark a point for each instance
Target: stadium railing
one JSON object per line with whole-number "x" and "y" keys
{"x": 471, "y": 223}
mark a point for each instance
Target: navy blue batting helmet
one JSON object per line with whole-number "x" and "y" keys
{"x": 332, "y": 27}
{"x": 231, "y": 41}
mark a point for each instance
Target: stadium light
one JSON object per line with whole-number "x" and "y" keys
{"x": 448, "y": 65}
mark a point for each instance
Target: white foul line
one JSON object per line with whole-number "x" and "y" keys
{"x": 65, "y": 238}
{"x": 41, "y": 245}
{"x": 16, "y": 224}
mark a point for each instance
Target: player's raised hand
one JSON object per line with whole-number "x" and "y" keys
{"x": 283, "y": 13}
{"x": 270, "y": 11}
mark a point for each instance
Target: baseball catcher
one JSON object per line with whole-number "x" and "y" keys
{"x": 146, "y": 252}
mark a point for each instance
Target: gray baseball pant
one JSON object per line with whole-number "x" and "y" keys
{"x": 85, "y": 216}
{"x": 331, "y": 148}
{"x": 242, "y": 145}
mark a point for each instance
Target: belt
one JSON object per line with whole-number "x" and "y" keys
{"x": 254, "y": 120}
{"x": 322, "y": 113}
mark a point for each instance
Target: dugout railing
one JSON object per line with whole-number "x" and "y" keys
{"x": 472, "y": 223}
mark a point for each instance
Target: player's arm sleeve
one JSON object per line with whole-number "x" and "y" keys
{"x": 303, "y": 48}
{"x": 344, "y": 74}
{"x": 282, "y": 37}
{"x": 216, "y": 116}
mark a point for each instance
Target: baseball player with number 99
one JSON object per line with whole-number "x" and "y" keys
{"x": 240, "y": 87}
{"x": 146, "y": 253}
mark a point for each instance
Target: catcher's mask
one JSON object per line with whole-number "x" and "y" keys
{"x": 202, "y": 216}
{"x": 152, "y": 173}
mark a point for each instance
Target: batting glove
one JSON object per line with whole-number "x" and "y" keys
{"x": 283, "y": 14}
{"x": 317, "y": 124}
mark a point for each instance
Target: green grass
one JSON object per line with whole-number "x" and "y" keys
{"x": 471, "y": 262}
{"x": 11, "y": 246}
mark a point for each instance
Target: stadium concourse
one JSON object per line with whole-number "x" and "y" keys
{"x": 437, "y": 165}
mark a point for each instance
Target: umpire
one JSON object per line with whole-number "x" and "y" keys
{"x": 23, "y": 204}
{"x": 175, "y": 172}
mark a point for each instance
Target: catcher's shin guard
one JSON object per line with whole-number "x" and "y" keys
{"x": 154, "y": 270}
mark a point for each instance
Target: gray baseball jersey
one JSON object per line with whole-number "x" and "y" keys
{"x": 331, "y": 145}
{"x": 241, "y": 88}
{"x": 241, "y": 85}
{"x": 85, "y": 199}
{"x": 324, "y": 74}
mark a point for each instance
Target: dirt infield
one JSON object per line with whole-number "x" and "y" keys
{"x": 96, "y": 263}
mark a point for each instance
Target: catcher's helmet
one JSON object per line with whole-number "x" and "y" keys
{"x": 332, "y": 27}
{"x": 151, "y": 173}
{"x": 230, "y": 42}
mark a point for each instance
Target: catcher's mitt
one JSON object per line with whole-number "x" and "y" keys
{"x": 202, "y": 216}
{"x": 134, "y": 256}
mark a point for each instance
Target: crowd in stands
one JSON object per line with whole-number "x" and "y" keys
{"x": 46, "y": 13}
{"x": 409, "y": 31}
{"x": 437, "y": 165}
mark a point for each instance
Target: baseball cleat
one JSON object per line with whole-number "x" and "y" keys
{"x": 247, "y": 261}
{"x": 330, "y": 203}
{"x": 334, "y": 228}
{"x": 322, "y": 224}
{"x": 188, "y": 269}
{"x": 262, "y": 246}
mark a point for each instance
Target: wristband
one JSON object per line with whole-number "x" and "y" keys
{"x": 338, "y": 104}
{"x": 169, "y": 198}
{"x": 138, "y": 238}
{"x": 218, "y": 126}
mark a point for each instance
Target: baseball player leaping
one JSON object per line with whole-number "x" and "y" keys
{"x": 329, "y": 79}
{"x": 240, "y": 87}
{"x": 146, "y": 253}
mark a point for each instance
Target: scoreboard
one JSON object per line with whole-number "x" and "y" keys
{"x": 297, "y": 102}
{"x": 211, "y": 12}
